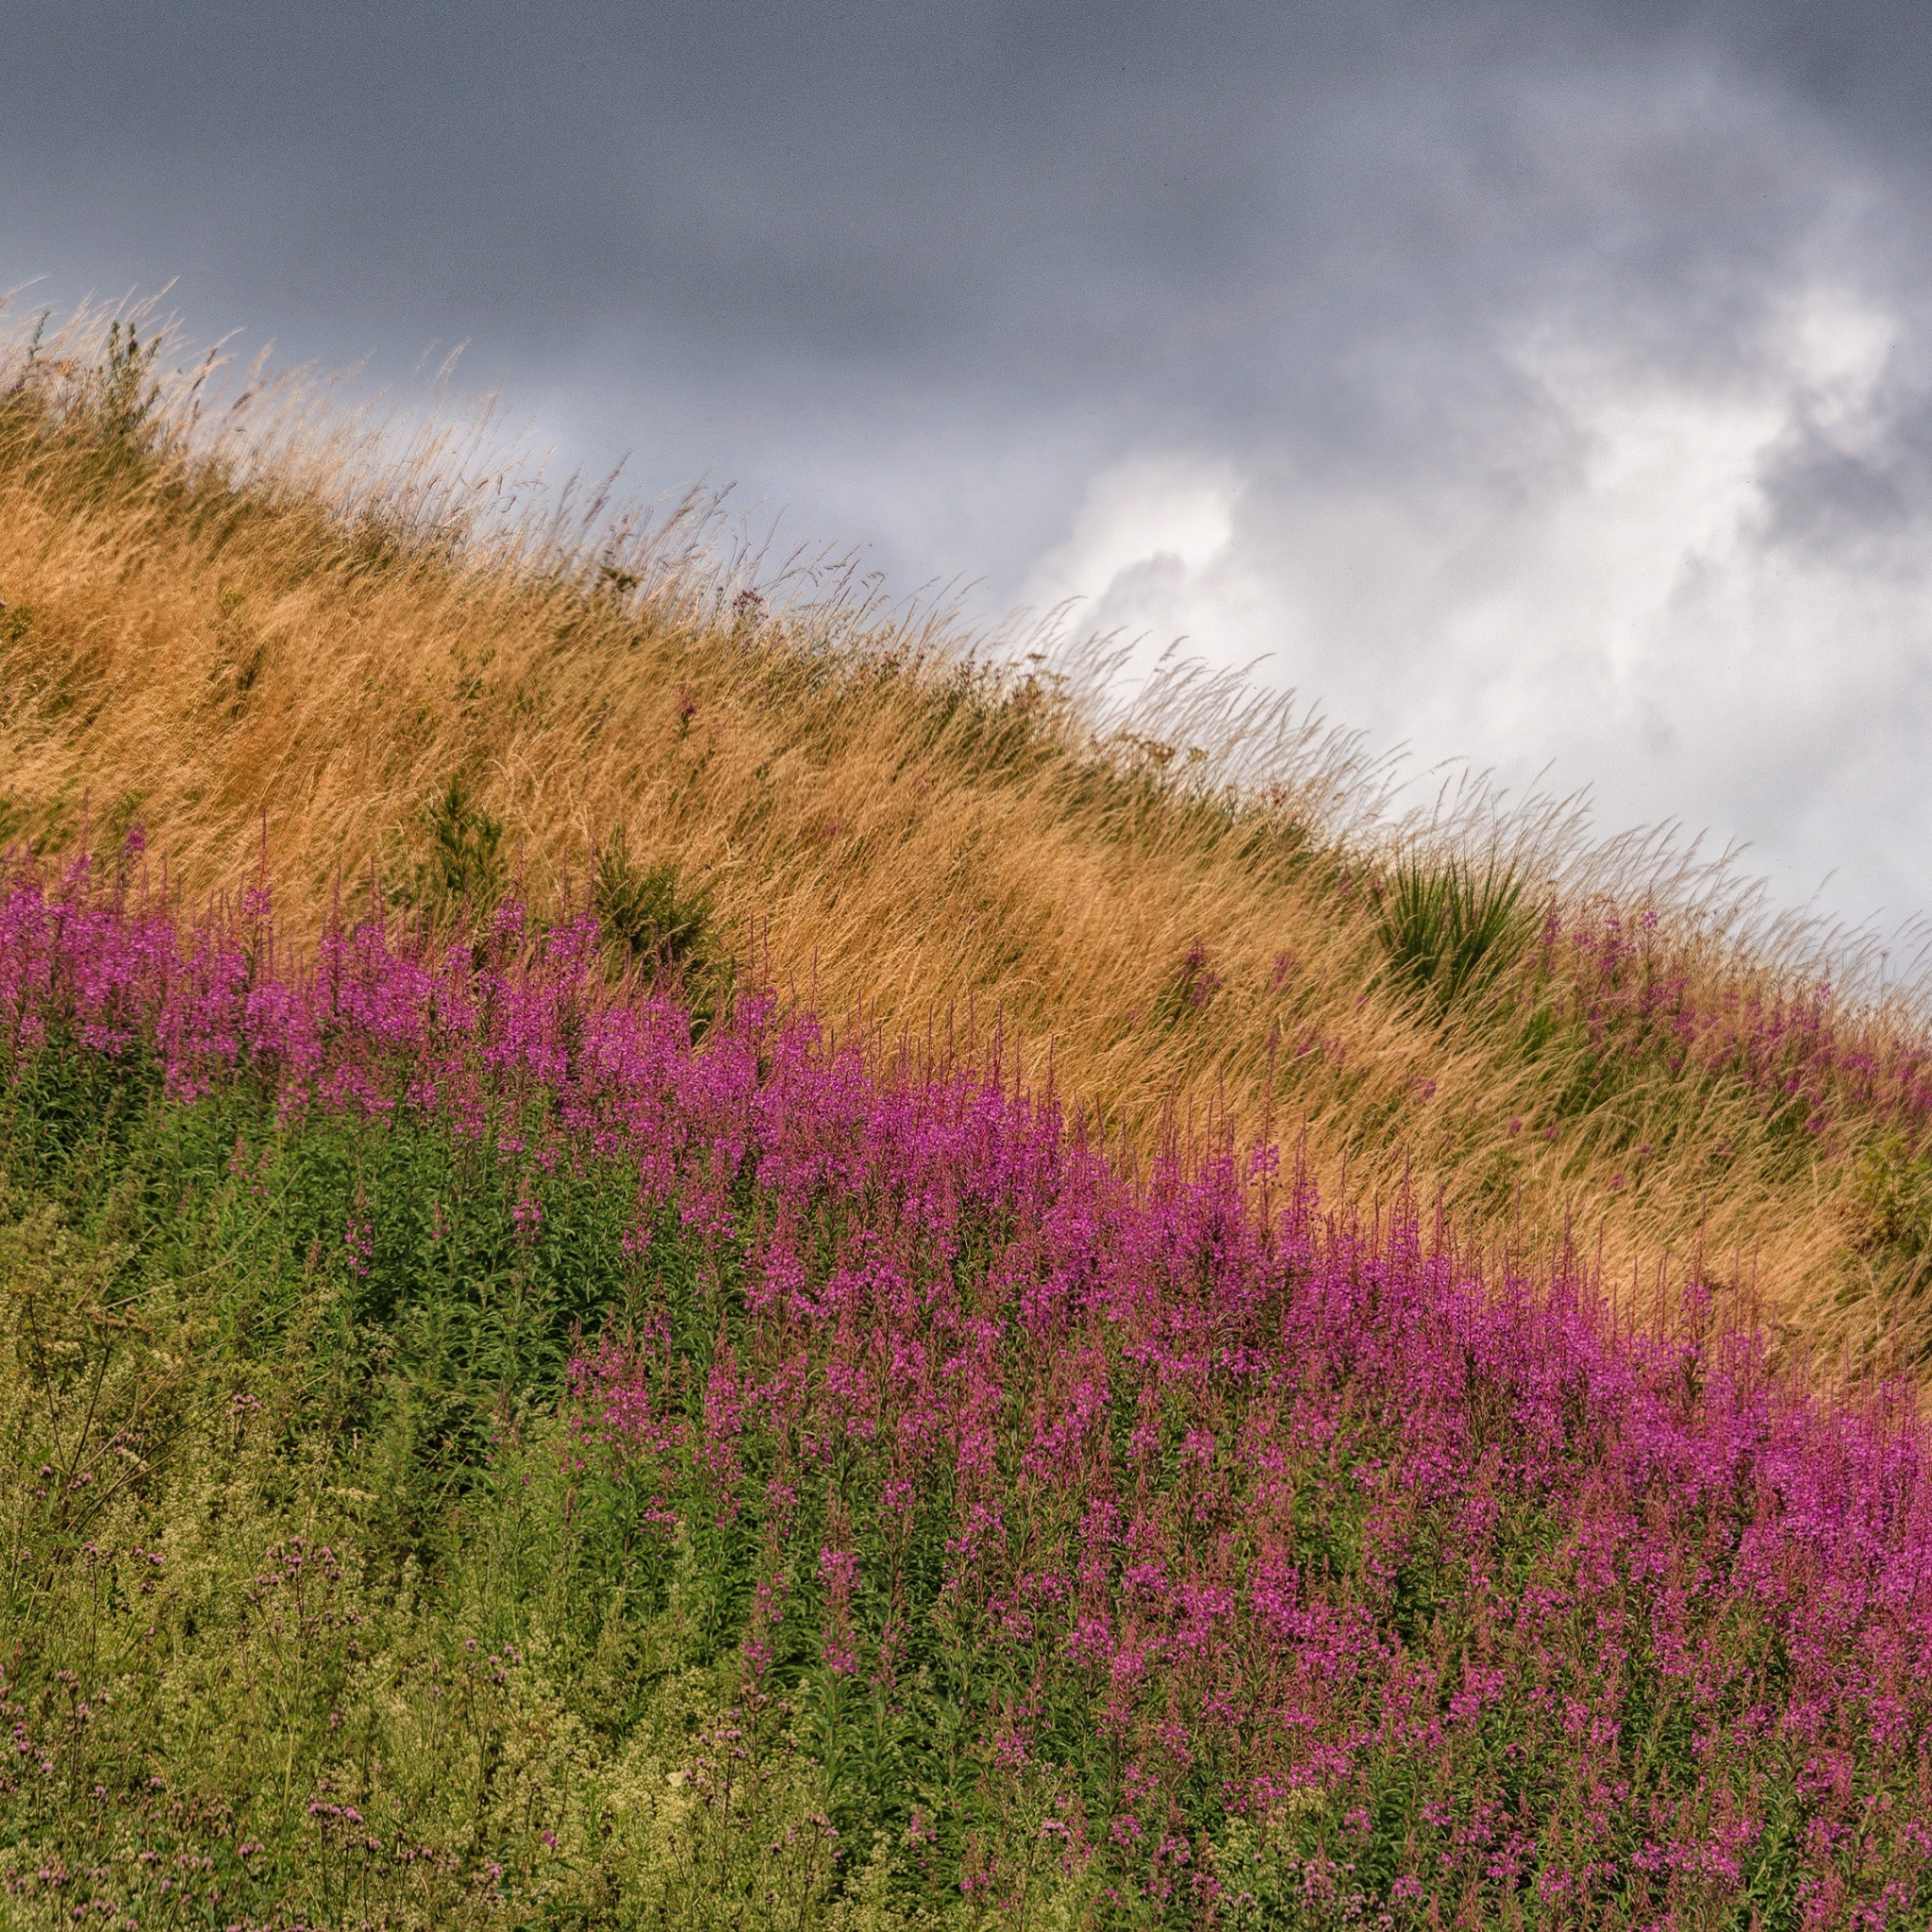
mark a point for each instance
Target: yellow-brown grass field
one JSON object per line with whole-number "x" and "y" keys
{"x": 272, "y": 635}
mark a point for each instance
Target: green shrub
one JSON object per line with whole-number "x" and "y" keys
{"x": 655, "y": 925}
{"x": 648, "y": 916}
{"x": 466, "y": 871}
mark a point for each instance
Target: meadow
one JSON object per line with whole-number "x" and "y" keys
{"x": 476, "y": 1456}
{"x": 252, "y": 627}
{"x": 672, "y": 1259}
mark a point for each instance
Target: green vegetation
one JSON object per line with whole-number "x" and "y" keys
{"x": 310, "y": 1596}
{"x": 1451, "y": 928}
{"x": 646, "y": 915}
{"x": 466, "y": 871}
{"x": 470, "y": 1460}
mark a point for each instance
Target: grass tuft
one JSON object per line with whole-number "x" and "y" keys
{"x": 1451, "y": 928}
{"x": 647, "y": 914}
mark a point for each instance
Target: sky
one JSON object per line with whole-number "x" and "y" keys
{"x": 1541, "y": 388}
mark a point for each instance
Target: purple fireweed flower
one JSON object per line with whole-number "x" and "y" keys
{"x": 1270, "y": 1498}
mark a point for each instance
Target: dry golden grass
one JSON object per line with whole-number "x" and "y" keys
{"x": 273, "y": 640}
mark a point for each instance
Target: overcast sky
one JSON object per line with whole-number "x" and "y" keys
{"x": 1544, "y": 386}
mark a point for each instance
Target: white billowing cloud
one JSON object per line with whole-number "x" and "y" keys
{"x": 1149, "y": 547}
{"x": 1608, "y": 596}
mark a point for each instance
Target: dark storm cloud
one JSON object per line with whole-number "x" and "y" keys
{"x": 1146, "y": 205}
{"x": 903, "y": 181}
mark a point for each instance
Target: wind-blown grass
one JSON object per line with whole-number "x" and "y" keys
{"x": 241, "y": 625}
{"x": 473, "y": 1458}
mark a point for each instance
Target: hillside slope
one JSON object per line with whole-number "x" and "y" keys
{"x": 215, "y": 662}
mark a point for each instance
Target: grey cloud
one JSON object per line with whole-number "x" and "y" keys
{"x": 1864, "y": 492}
